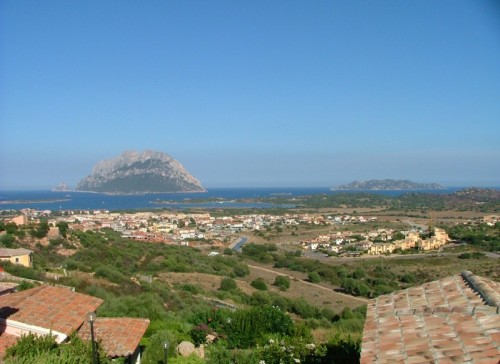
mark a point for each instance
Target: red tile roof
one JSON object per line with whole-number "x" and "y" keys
{"x": 450, "y": 320}
{"x": 50, "y": 307}
{"x": 6, "y": 341}
{"x": 118, "y": 336}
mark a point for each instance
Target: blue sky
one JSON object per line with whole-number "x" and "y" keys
{"x": 252, "y": 93}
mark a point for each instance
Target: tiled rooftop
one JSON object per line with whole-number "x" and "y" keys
{"x": 50, "y": 307}
{"x": 452, "y": 320}
{"x": 118, "y": 336}
{"x": 6, "y": 341}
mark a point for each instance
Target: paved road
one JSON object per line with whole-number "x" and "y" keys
{"x": 321, "y": 256}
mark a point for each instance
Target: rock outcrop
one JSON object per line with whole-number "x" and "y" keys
{"x": 140, "y": 172}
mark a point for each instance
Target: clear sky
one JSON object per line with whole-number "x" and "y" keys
{"x": 252, "y": 93}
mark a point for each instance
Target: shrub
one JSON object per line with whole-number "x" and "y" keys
{"x": 355, "y": 287}
{"x": 110, "y": 274}
{"x": 283, "y": 282}
{"x": 228, "y": 284}
{"x": 154, "y": 347}
{"x": 473, "y": 255}
{"x": 408, "y": 278}
{"x": 33, "y": 349}
{"x": 7, "y": 240}
{"x": 241, "y": 270}
{"x": 259, "y": 284}
{"x": 24, "y": 285}
{"x": 313, "y": 277}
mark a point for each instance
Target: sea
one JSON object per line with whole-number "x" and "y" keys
{"x": 217, "y": 198}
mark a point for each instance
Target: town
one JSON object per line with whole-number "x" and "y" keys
{"x": 206, "y": 230}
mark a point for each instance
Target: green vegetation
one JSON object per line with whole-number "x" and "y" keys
{"x": 481, "y": 236}
{"x": 470, "y": 199}
{"x": 33, "y": 349}
{"x": 283, "y": 282}
{"x": 228, "y": 284}
{"x": 259, "y": 284}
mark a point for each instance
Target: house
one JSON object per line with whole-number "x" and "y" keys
{"x": 452, "y": 320}
{"x": 60, "y": 312}
{"x": 381, "y": 248}
{"x": 17, "y": 256}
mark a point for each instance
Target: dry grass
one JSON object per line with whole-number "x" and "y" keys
{"x": 316, "y": 295}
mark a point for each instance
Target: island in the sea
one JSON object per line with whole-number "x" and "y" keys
{"x": 140, "y": 172}
{"x": 61, "y": 187}
{"x": 387, "y": 185}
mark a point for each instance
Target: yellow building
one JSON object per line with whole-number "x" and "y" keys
{"x": 381, "y": 248}
{"x": 17, "y": 256}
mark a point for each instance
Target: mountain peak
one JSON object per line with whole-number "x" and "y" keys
{"x": 140, "y": 172}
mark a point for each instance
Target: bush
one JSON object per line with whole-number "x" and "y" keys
{"x": 474, "y": 255}
{"x": 355, "y": 287}
{"x": 24, "y": 285}
{"x": 154, "y": 347}
{"x": 259, "y": 284}
{"x": 313, "y": 277}
{"x": 7, "y": 240}
{"x": 283, "y": 282}
{"x": 110, "y": 274}
{"x": 228, "y": 284}
{"x": 34, "y": 349}
{"x": 241, "y": 270}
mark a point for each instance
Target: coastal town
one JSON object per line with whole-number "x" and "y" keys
{"x": 335, "y": 236}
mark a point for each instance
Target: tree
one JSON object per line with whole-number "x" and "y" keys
{"x": 7, "y": 240}
{"x": 398, "y": 236}
{"x": 283, "y": 282}
{"x": 63, "y": 228}
{"x": 42, "y": 230}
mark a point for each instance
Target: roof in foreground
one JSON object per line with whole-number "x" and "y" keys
{"x": 118, "y": 336}
{"x": 50, "y": 307}
{"x": 451, "y": 320}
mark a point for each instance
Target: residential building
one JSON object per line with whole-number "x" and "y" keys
{"x": 17, "y": 256}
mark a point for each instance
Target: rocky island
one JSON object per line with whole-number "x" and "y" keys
{"x": 140, "y": 172}
{"x": 387, "y": 185}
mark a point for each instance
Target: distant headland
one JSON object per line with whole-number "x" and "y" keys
{"x": 387, "y": 185}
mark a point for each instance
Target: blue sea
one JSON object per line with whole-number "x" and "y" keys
{"x": 51, "y": 200}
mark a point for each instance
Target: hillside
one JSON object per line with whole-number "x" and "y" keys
{"x": 140, "y": 172}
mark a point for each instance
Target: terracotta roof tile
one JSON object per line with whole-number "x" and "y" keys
{"x": 446, "y": 321}
{"x": 6, "y": 341}
{"x": 50, "y": 307}
{"x": 118, "y": 336}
